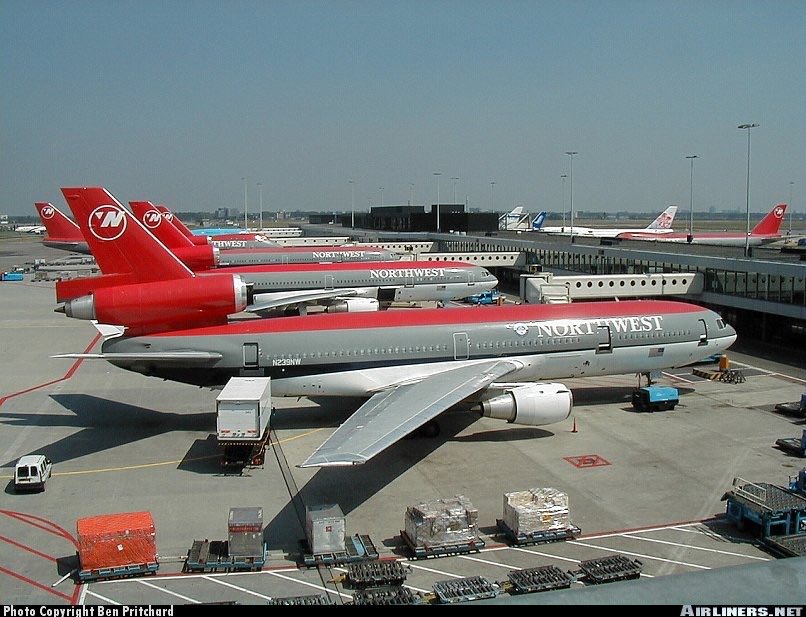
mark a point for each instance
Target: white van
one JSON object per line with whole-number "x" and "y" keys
{"x": 31, "y": 472}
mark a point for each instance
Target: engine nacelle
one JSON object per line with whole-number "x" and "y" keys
{"x": 354, "y": 305}
{"x": 197, "y": 258}
{"x": 530, "y": 405}
{"x": 144, "y": 308}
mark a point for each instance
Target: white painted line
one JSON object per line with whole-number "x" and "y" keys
{"x": 711, "y": 534}
{"x": 678, "y": 377}
{"x": 169, "y": 592}
{"x": 307, "y": 584}
{"x": 417, "y": 589}
{"x": 526, "y": 550}
{"x": 490, "y": 563}
{"x": 612, "y": 550}
{"x": 242, "y": 589}
{"x": 613, "y": 534}
{"x": 87, "y": 592}
{"x": 695, "y": 548}
{"x": 433, "y": 571}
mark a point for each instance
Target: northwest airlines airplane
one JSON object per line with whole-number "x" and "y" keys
{"x": 129, "y": 255}
{"x": 661, "y": 226}
{"x": 410, "y": 365}
{"x": 61, "y": 231}
{"x": 767, "y": 230}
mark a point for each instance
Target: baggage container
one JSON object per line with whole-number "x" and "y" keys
{"x": 114, "y": 541}
{"x": 245, "y": 531}
{"x": 326, "y": 529}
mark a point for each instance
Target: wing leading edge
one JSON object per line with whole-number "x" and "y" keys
{"x": 390, "y": 415}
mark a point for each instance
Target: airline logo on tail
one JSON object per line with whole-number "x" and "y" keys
{"x": 107, "y": 222}
{"x": 537, "y": 222}
{"x": 779, "y": 212}
{"x": 47, "y": 212}
{"x": 664, "y": 221}
{"x": 152, "y": 219}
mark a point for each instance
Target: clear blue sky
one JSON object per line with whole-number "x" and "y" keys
{"x": 176, "y": 101}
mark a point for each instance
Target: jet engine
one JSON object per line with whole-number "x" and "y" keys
{"x": 198, "y": 257}
{"x": 353, "y": 305}
{"x": 530, "y": 405}
{"x": 145, "y": 308}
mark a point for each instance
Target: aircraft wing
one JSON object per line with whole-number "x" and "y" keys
{"x": 196, "y": 357}
{"x": 390, "y": 415}
{"x": 268, "y": 301}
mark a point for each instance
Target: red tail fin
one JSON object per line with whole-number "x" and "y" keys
{"x": 58, "y": 226}
{"x": 119, "y": 242}
{"x": 148, "y": 214}
{"x": 175, "y": 220}
{"x": 771, "y": 223}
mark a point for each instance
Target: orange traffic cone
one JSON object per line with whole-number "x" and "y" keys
{"x": 574, "y": 429}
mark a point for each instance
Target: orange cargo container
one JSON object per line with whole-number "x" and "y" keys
{"x": 115, "y": 540}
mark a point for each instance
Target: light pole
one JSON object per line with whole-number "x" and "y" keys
{"x": 492, "y": 203}
{"x": 691, "y": 157}
{"x": 747, "y": 189}
{"x": 245, "y": 207}
{"x": 411, "y": 193}
{"x": 352, "y": 206}
{"x": 571, "y": 184}
{"x": 381, "y": 190}
{"x": 437, "y": 174}
{"x": 791, "y": 207}
{"x": 260, "y": 191}
{"x": 455, "y": 180}
{"x": 564, "y": 176}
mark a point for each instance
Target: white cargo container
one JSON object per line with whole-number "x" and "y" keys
{"x": 326, "y": 529}
{"x": 243, "y": 409}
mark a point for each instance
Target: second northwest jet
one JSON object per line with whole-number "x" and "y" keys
{"x": 127, "y": 252}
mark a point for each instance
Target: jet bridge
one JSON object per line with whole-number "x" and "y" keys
{"x": 547, "y": 288}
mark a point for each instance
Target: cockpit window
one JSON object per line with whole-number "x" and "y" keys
{"x": 720, "y": 324}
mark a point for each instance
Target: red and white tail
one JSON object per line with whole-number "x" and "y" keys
{"x": 57, "y": 224}
{"x": 118, "y": 241}
{"x": 174, "y": 220}
{"x": 158, "y": 224}
{"x": 664, "y": 220}
{"x": 770, "y": 224}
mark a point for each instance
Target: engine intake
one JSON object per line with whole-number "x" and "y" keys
{"x": 530, "y": 405}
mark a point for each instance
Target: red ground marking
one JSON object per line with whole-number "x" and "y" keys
{"x": 47, "y": 588}
{"x": 67, "y": 375}
{"x": 587, "y": 460}
{"x": 41, "y": 523}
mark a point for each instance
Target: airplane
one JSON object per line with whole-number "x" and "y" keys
{"x": 662, "y": 225}
{"x": 237, "y": 255}
{"x": 767, "y": 230}
{"x": 412, "y": 366}
{"x": 128, "y": 253}
{"x": 62, "y": 232}
{"x": 516, "y": 219}
{"x": 30, "y": 229}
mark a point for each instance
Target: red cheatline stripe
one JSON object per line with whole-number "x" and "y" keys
{"x": 25, "y": 579}
{"x": 67, "y": 375}
{"x": 42, "y": 524}
{"x": 27, "y": 548}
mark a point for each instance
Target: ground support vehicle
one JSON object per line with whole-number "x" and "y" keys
{"x": 440, "y": 550}
{"x": 387, "y": 596}
{"x": 776, "y": 510}
{"x": 213, "y": 556}
{"x": 243, "y": 410}
{"x": 465, "y": 590}
{"x": 541, "y": 578}
{"x": 655, "y": 398}
{"x": 32, "y": 472}
{"x": 608, "y": 569}
{"x": 537, "y": 537}
{"x": 492, "y": 296}
{"x": 793, "y": 445}
{"x": 356, "y": 548}
{"x": 376, "y": 573}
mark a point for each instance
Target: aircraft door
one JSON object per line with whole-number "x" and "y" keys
{"x": 604, "y": 343}
{"x": 329, "y": 283}
{"x": 460, "y": 346}
{"x": 251, "y": 355}
{"x": 408, "y": 281}
{"x": 703, "y": 329}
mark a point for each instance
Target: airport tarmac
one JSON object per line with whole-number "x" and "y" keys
{"x": 644, "y": 485}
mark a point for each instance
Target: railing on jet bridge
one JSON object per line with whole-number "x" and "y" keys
{"x": 588, "y": 287}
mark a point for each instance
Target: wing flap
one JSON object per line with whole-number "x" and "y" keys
{"x": 390, "y": 415}
{"x": 268, "y": 301}
{"x": 200, "y": 357}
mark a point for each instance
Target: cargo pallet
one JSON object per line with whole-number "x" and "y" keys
{"x": 537, "y": 537}
{"x": 213, "y": 556}
{"x": 787, "y": 546}
{"x": 609, "y": 569}
{"x": 465, "y": 590}
{"x": 376, "y": 573}
{"x": 311, "y": 600}
{"x": 542, "y": 578}
{"x": 776, "y": 510}
{"x": 139, "y": 569}
{"x": 356, "y": 548}
{"x": 793, "y": 445}
{"x": 439, "y": 550}
{"x": 383, "y": 596}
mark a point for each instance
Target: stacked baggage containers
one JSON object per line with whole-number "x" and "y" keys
{"x": 442, "y": 527}
{"x": 116, "y": 545}
{"x": 537, "y": 515}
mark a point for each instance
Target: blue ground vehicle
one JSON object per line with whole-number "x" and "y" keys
{"x": 491, "y": 296}
{"x": 655, "y": 398}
